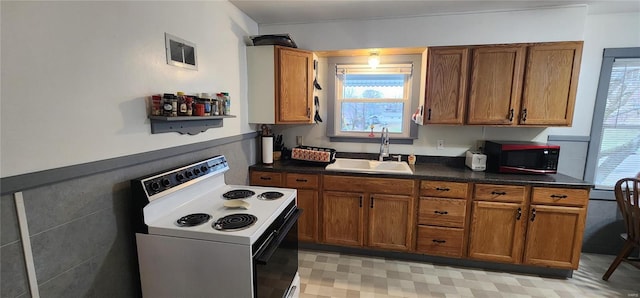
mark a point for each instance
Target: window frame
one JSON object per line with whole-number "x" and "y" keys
{"x": 413, "y": 100}
{"x": 597, "y": 123}
{"x": 406, "y": 100}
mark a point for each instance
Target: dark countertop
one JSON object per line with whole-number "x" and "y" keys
{"x": 448, "y": 169}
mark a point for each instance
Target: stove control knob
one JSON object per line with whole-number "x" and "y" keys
{"x": 166, "y": 182}
{"x": 189, "y": 174}
{"x": 196, "y": 171}
{"x": 155, "y": 186}
{"x": 204, "y": 169}
{"x": 179, "y": 177}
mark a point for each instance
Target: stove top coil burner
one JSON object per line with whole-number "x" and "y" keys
{"x": 234, "y": 222}
{"x": 192, "y": 220}
{"x": 270, "y": 195}
{"x": 238, "y": 194}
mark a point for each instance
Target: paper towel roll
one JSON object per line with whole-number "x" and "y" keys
{"x": 267, "y": 150}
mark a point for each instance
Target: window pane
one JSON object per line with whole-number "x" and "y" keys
{"x": 388, "y": 86}
{"x": 619, "y": 155}
{"x": 360, "y": 116}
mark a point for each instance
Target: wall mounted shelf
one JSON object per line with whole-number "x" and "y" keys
{"x": 185, "y": 124}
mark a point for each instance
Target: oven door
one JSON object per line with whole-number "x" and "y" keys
{"x": 275, "y": 264}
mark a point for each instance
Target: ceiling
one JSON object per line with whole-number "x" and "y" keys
{"x": 312, "y": 11}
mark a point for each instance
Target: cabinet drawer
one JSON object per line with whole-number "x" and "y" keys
{"x": 266, "y": 178}
{"x": 440, "y": 241}
{"x": 296, "y": 180}
{"x": 370, "y": 185}
{"x": 442, "y": 212}
{"x": 560, "y": 196}
{"x": 499, "y": 193}
{"x": 444, "y": 189}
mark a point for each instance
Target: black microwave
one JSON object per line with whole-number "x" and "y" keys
{"x": 521, "y": 157}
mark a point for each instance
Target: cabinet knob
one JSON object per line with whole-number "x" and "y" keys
{"x": 524, "y": 115}
{"x": 499, "y": 193}
{"x": 301, "y": 180}
{"x": 443, "y": 189}
{"x": 429, "y": 114}
{"x": 533, "y": 214}
{"x": 440, "y": 212}
{"x": 438, "y": 241}
{"x": 265, "y": 178}
{"x": 371, "y": 204}
{"x": 519, "y": 214}
{"x": 511, "y": 115}
{"x": 360, "y": 201}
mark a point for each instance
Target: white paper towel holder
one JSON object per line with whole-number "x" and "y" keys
{"x": 267, "y": 150}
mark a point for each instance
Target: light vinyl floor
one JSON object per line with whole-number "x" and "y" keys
{"x": 328, "y": 274}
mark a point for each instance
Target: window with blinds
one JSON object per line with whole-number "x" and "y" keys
{"x": 368, "y": 99}
{"x": 619, "y": 149}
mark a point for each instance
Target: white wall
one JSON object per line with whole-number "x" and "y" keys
{"x": 76, "y": 76}
{"x": 601, "y": 31}
{"x": 559, "y": 24}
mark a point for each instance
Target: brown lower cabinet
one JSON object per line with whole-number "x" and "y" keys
{"x": 506, "y": 228}
{"x": 516, "y": 224}
{"x": 442, "y": 218}
{"x": 307, "y": 186}
{"x": 372, "y": 212}
{"x": 497, "y": 231}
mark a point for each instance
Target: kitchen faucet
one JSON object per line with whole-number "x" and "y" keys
{"x": 384, "y": 143}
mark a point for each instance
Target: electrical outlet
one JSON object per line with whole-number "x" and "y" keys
{"x": 440, "y": 145}
{"x": 480, "y": 145}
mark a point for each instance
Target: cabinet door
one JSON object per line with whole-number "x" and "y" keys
{"x": 308, "y": 223}
{"x": 554, "y": 236}
{"x": 342, "y": 218}
{"x": 497, "y": 232}
{"x": 446, "y": 86}
{"x": 294, "y": 93}
{"x": 495, "y": 84}
{"x": 550, "y": 82}
{"x": 390, "y": 222}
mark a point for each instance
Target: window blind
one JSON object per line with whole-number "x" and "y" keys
{"x": 619, "y": 154}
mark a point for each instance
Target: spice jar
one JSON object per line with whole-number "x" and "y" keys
{"x": 169, "y": 105}
{"x": 156, "y": 105}
{"x": 205, "y": 99}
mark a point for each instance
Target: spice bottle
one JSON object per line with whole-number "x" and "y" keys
{"x": 182, "y": 104}
{"x": 156, "y": 105}
{"x": 227, "y": 103}
{"x": 167, "y": 104}
{"x": 189, "y": 105}
{"x": 221, "y": 104}
{"x": 205, "y": 99}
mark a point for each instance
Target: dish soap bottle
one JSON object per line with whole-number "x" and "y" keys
{"x": 411, "y": 159}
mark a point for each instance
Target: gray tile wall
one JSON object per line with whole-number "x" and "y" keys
{"x": 80, "y": 231}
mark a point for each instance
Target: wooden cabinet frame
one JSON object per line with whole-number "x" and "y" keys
{"x": 523, "y": 84}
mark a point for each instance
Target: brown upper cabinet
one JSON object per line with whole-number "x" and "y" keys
{"x": 531, "y": 84}
{"x": 446, "y": 87}
{"x": 495, "y": 85}
{"x": 280, "y": 85}
{"x": 550, "y": 83}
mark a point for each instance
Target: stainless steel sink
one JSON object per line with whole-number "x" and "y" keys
{"x": 369, "y": 166}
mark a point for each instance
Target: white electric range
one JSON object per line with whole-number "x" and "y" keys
{"x": 199, "y": 237}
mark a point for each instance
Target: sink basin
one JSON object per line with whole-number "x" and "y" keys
{"x": 369, "y": 166}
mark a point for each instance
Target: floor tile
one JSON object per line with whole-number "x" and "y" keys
{"x": 335, "y": 275}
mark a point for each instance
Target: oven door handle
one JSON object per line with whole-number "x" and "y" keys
{"x": 272, "y": 244}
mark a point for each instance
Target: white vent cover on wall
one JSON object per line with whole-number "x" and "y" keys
{"x": 180, "y": 52}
